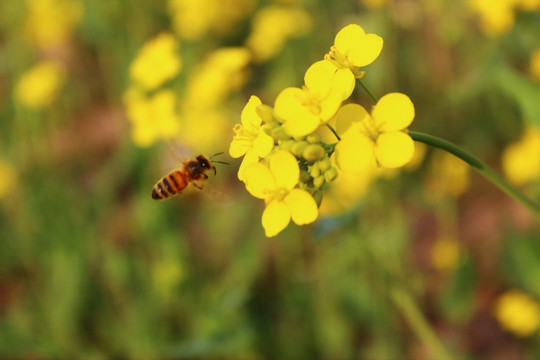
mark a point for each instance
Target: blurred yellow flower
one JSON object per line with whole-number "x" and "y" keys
{"x": 496, "y": 17}
{"x": 447, "y": 175}
{"x": 272, "y": 26}
{"x": 152, "y": 118}
{"x": 51, "y": 22}
{"x": 528, "y": 5}
{"x": 353, "y": 49}
{"x": 275, "y": 184}
{"x": 8, "y": 178}
{"x": 249, "y": 139}
{"x": 203, "y": 128}
{"x": 156, "y": 62}
{"x": 39, "y": 86}
{"x": 445, "y": 254}
{"x": 377, "y": 139}
{"x": 521, "y": 160}
{"x": 194, "y": 19}
{"x": 342, "y": 194}
{"x": 534, "y": 65}
{"x": 221, "y": 73}
{"x": 303, "y": 110}
{"x": 518, "y": 313}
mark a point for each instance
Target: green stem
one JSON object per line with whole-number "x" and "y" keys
{"x": 480, "y": 166}
{"x": 408, "y": 308}
{"x": 367, "y": 90}
{"x": 334, "y": 131}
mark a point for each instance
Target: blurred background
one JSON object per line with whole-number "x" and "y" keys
{"x": 92, "y": 91}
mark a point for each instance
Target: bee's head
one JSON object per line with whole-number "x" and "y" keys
{"x": 205, "y": 163}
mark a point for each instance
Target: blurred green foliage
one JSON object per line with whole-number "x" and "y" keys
{"x": 92, "y": 268}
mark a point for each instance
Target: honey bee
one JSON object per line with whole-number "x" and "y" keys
{"x": 192, "y": 171}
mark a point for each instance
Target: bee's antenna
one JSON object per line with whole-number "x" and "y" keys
{"x": 216, "y": 154}
{"x": 221, "y": 162}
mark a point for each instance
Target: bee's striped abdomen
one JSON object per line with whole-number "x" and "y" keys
{"x": 169, "y": 185}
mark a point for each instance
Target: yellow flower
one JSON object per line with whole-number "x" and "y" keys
{"x": 51, "y": 22}
{"x": 534, "y": 65}
{"x": 194, "y": 19}
{"x": 445, "y": 254}
{"x": 249, "y": 138}
{"x": 379, "y": 138}
{"x": 275, "y": 184}
{"x": 303, "y": 110}
{"x": 221, "y": 73}
{"x": 152, "y": 118}
{"x": 346, "y": 191}
{"x": 496, "y": 17}
{"x": 353, "y": 49}
{"x": 156, "y": 62}
{"x": 521, "y": 160}
{"x": 528, "y": 5}
{"x": 518, "y": 313}
{"x": 8, "y": 178}
{"x": 272, "y": 26}
{"x": 447, "y": 175}
{"x": 39, "y": 86}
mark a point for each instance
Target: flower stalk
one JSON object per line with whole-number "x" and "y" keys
{"x": 480, "y": 166}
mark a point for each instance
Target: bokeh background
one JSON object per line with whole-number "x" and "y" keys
{"x": 93, "y": 93}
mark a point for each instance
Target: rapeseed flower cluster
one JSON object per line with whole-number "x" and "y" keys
{"x": 272, "y": 26}
{"x": 521, "y": 159}
{"x": 51, "y": 23}
{"x": 152, "y": 110}
{"x": 39, "y": 86}
{"x": 294, "y": 151}
{"x": 497, "y": 17}
{"x": 518, "y": 313}
{"x": 192, "y": 20}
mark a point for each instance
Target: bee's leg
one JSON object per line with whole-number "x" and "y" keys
{"x": 197, "y": 185}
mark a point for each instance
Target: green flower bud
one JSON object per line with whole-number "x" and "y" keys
{"x": 324, "y": 164}
{"x": 330, "y": 174}
{"x": 318, "y": 181}
{"x": 268, "y": 127}
{"x": 286, "y": 144}
{"x": 299, "y": 147}
{"x": 313, "y": 138}
{"x": 265, "y": 112}
{"x": 313, "y": 152}
{"x": 304, "y": 176}
{"x": 279, "y": 133}
{"x": 315, "y": 171}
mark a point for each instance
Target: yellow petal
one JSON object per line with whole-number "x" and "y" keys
{"x": 259, "y": 180}
{"x": 263, "y": 144}
{"x": 318, "y": 77}
{"x": 346, "y": 38}
{"x": 329, "y": 105}
{"x": 394, "y": 150}
{"x": 285, "y": 170}
{"x": 354, "y": 153}
{"x": 348, "y": 115}
{"x": 249, "y": 116}
{"x": 275, "y": 218}
{"x": 250, "y": 158}
{"x": 302, "y": 206}
{"x": 393, "y": 112}
{"x": 290, "y": 104}
{"x": 302, "y": 126}
{"x": 365, "y": 50}
{"x": 238, "y": 148}
{"x": 344, "y": 82}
